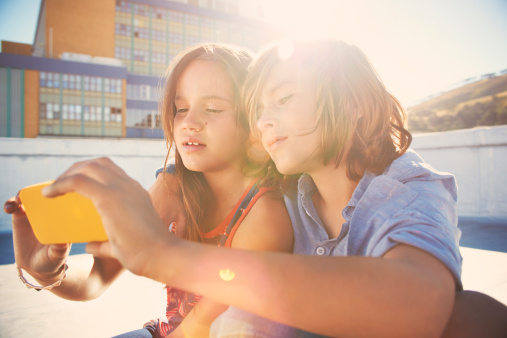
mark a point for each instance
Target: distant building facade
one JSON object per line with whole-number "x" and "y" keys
{"x": 96, "y": 66}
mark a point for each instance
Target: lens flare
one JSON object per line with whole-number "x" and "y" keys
{"x": 285, "y": 49}
{"x": 226, "y": 274}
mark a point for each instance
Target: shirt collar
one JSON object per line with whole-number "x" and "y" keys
{"x": 361, "y": 189}
{"x": 306, "y": 187}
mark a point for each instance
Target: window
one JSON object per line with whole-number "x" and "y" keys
{"x": 68, "y": 108}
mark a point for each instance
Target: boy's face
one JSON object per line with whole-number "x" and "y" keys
{"x": 287, "y": 119}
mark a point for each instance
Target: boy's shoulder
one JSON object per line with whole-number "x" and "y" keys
{"x": 408, "y": 179}
{"x": 410, "y": 166}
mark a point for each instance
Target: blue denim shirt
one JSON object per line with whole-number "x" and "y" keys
{"x": 410, "y": 203}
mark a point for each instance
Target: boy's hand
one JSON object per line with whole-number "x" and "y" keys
{"x": 133, "y": 226}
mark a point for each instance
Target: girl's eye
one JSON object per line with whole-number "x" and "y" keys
{"x": 215, "y": 111}
{"x": 285, "y": 99}
{"x": 181, "y": 110}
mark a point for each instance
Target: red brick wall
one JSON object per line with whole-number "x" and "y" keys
{"x": 16, "y": 48}
{"x": 81, "y": 26}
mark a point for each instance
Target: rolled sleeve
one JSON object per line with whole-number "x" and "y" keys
{"x": 417, "y": 230}
{"x": 428, "y": 222}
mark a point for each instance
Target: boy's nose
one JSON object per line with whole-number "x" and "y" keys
{"x": 266, "y": 120}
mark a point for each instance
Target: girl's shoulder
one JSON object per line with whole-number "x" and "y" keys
{"x": 267, "y": 227}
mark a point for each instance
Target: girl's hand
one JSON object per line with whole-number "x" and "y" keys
{"x": 131, "y": 223}
{"x": 166, "y": 199}
{"x": 43, "y": 262}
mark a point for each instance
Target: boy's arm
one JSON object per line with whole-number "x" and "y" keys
{"x": 407, "y": 293}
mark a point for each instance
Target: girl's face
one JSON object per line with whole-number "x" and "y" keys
{"x": 290, "y": 131}
{"x": 207, "y": 132}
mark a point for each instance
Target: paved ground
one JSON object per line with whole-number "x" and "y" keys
{"x": 126, "y": 306}
{"x": 484, "y": 233}
{"x": 133, "y": 300}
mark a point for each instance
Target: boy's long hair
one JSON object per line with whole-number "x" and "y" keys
{"x": 354, "y": 108}
{"x": 193, "y": 188}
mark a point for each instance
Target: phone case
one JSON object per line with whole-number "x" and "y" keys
{"x": 70, "y": 218}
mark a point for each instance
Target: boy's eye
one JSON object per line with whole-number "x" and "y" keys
{"x": 259, "y": 110}
{"x": 285, "y": 99}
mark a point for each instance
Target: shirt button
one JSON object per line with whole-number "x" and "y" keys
{"x": 321, "y": 251}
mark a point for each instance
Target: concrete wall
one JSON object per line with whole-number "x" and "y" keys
{"x": 29, "y": 161}
{"x": 478, "y": 158}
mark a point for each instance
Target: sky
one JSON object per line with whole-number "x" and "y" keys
{"x": 419, "y": 47}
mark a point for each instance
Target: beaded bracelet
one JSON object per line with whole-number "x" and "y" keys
{"x": 48, "y": 287}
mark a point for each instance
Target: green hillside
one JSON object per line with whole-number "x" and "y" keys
{"x": 482, "y": 103}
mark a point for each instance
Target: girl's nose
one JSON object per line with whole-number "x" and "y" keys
{"x": 193, "y": 120}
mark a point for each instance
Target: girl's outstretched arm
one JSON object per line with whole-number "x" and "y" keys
{"x": 45, "y": 263}
{"x": 406, "y": 293}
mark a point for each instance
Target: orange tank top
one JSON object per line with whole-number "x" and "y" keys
{"x": 180, "y": 302}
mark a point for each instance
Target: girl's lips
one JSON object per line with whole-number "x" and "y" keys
{"x": 191, "y": 144}
{"x": 190, "y": 148}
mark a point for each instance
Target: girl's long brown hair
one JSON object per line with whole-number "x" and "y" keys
{"x": 354, "y": 107}
{"x": 193, "y": 188}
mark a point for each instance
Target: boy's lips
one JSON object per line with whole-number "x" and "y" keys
{"x": 274, "y": 142}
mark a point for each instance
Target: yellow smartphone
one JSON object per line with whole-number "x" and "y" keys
{"x": 70, "y": 218}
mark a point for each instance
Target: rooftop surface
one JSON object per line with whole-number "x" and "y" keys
{"x": 134, "y": 300}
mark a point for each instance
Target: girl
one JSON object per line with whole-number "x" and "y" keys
{"x": 202, "y": 118}
{"x": 218, "y": 184}
{"x": 375, "y": 227}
